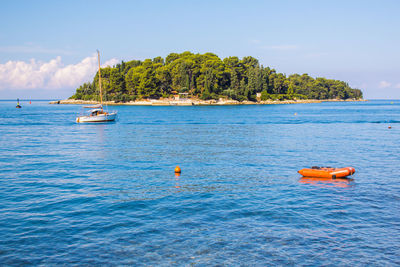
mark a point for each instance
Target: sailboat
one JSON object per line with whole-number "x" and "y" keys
{"x": 18, "y": 105}
{"x": 96, "y": 113}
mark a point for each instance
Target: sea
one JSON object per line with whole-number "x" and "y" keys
{"x": 107, "y": 195}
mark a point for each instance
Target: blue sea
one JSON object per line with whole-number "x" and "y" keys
{"x": 107, "y": 194}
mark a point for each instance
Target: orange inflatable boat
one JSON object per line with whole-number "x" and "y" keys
{"x": 327, "y": 172}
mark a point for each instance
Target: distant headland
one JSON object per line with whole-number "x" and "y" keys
{"x": 192, "y": 79}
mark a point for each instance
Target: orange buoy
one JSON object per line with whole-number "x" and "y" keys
{"x": 177, "y": 169}
{"x": 390, "y": 127}
{"x": 327, "y": 172}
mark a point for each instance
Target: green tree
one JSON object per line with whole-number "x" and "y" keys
{"x": 207, "y": 76}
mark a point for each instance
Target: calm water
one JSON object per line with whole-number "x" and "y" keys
{"x": 106, "y": 194}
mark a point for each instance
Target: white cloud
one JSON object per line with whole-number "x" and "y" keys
{"x": 110, "y": 63}
{"x": 397, "y": 86}
{"x": 48, "y": 75}
{"x": 384, "y": 84}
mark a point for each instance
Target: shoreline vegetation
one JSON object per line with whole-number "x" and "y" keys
{"x": 196, "y": 102}
{"x": 205, "y": 79}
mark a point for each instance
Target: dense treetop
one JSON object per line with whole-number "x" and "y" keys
{"x": 206, "y": 76}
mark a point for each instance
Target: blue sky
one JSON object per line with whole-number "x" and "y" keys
{"x": 47, "y": 48}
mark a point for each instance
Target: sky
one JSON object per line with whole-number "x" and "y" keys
{"x": 48, "y": 48}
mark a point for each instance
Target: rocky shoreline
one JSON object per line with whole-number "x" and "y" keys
{"x": 195, "y": 102}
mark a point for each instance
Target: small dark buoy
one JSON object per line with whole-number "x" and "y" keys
{"x": 177, "y": 169}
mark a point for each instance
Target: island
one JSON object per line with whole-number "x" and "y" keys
{"x": 190, "y": 79}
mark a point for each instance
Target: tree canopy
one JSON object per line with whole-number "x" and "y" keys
{"x": 206, "y": 76}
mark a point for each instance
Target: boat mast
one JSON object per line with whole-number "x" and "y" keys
{"x": 101, "y": 93}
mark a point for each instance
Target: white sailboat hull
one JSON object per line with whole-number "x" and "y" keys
{"x": 98, "y": 118}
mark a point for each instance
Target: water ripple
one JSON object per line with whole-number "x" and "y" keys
{"x": 106, "y": 194}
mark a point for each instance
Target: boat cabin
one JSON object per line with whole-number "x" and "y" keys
{"x": 95, "y": 112}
